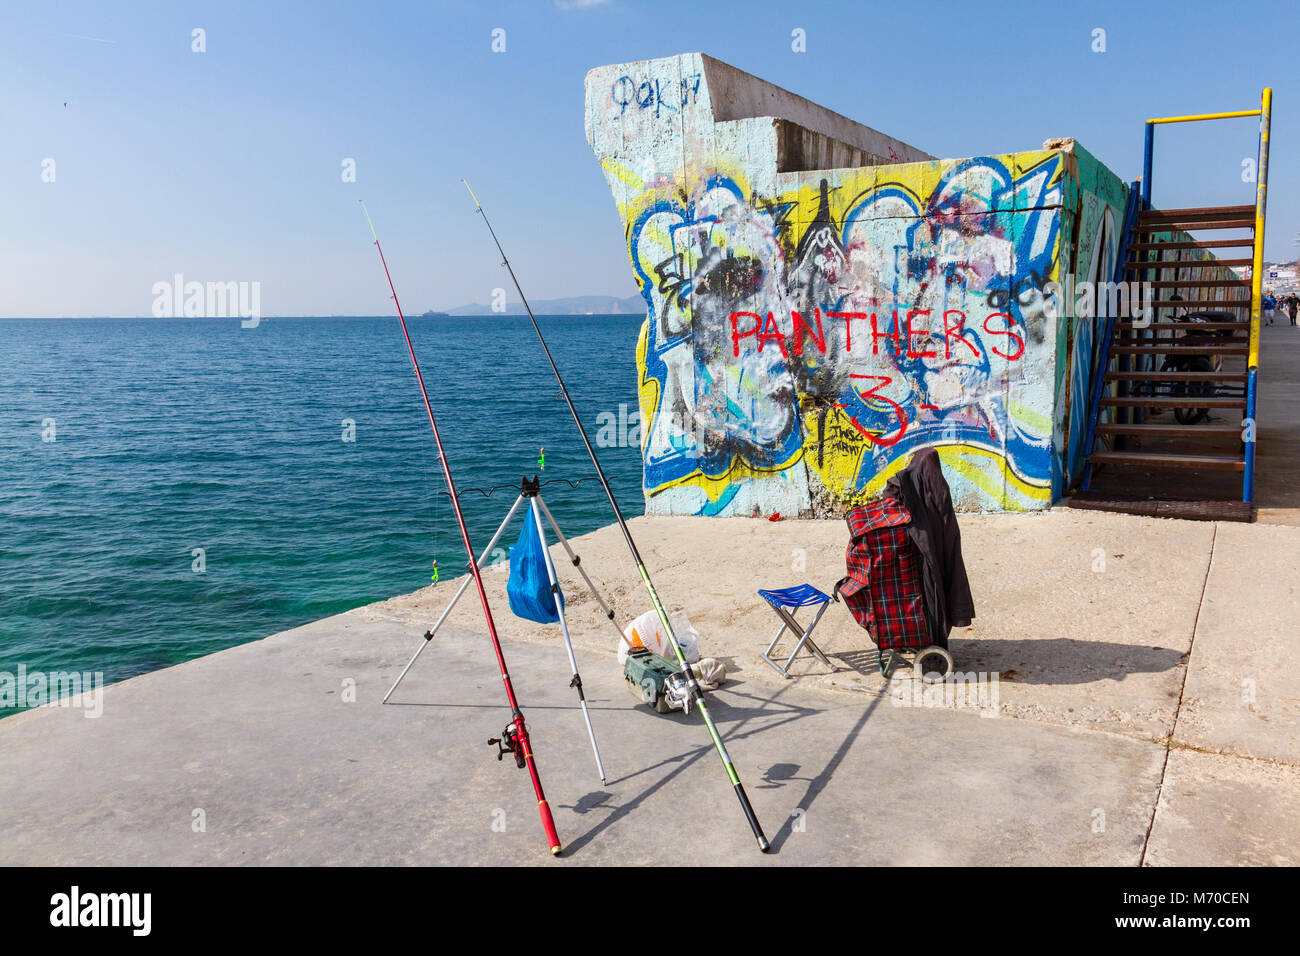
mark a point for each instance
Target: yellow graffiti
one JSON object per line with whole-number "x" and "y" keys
{"x": 833, "y": 449}
{"x": 1039, "y": 423}
{"x": 623, "y": 174}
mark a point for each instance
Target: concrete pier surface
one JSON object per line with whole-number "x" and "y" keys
{"x": 1148, "y": 712}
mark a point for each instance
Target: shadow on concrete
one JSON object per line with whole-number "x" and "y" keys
{"x": 779, "y": 774}
{"x": 596, "y": 800}
{"x": 860, "y": 659}
{"x": 730, "y": 719}
{"x": 818, "y": 783}
{"x": 1062, "y": 660}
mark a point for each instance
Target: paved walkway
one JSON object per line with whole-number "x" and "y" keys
{"x": 1277, "y": 458}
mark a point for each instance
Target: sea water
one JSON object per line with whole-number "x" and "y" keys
{"x": 172, "y": 487}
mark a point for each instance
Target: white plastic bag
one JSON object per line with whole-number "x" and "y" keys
{"x": 647, "y": 631}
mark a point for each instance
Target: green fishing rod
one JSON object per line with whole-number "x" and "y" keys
{"x": 694, "y": 695}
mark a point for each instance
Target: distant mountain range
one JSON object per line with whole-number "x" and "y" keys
{"x": 575, "y": 305}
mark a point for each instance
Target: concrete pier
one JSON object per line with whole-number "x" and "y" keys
{"x": 1147, "y": 713}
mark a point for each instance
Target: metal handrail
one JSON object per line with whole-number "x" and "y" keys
{"x": 1198, "y": 117}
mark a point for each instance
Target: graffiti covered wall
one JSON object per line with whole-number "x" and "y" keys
{"x": 808, "y": 326}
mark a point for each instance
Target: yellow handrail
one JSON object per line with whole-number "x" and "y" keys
{"x": 1261, "y": 196}
{"x": 1197, "y": 117}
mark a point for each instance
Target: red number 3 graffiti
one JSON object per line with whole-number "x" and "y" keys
{"x": 874, "y": 392}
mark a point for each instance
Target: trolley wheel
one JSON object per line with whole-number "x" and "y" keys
{"x": 932, "y": 664}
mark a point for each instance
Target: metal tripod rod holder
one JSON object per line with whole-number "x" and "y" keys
{"x": 530, "y": 491}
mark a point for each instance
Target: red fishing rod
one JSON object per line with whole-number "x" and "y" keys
{"x": 514, "y": 739}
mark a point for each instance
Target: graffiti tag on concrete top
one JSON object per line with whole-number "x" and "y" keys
{"x": 670, "y": 95}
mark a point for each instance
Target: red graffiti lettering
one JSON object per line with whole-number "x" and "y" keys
{"x": 848, "y": 318}
{"x": 958, "y": 332}
{"x": 1009, "y": 331}
{"x": 802, "y": 328}
{"x": 737, "y": 335}
{"x": 901, "y": 412}
{"x": 877, "y": 335}
{"x": 901, "y": 332}
{"x": 911, "y": 332}
{"x": 774, "y": 334}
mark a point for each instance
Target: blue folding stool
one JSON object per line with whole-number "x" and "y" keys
{"x": 787, "y": 601}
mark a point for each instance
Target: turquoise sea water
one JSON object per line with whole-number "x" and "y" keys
{"x": 172, "y": 435}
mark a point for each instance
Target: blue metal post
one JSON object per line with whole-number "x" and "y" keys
{"x": 1248, "y": 479}
{"x": 1146, "y": 165}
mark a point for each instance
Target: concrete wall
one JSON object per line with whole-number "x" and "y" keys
{"x": 822, "y": 299}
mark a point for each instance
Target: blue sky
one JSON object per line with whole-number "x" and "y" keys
{"x": 225, "y": 165}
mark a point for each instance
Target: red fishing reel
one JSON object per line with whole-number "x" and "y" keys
{"x": 508, "y": 743}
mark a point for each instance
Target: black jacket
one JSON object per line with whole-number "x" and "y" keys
{"x": 923, "y": 491}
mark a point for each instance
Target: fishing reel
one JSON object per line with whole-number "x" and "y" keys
{"x": 508, "y": 743}
{"x": 681, "y": 692}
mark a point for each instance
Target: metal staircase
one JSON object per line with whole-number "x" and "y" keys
{"x": 1171, "y": 428}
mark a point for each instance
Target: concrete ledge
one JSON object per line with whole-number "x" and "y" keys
{"x": 286, "y": 772}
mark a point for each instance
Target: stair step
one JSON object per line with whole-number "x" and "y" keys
{"x": 1181, "y": 264}
{"x": 1154, "y": 459}
{"x": 1197, "y": 213}
{"x": 1238, "y": 377}
{"x": 1242, "y": 326}
{"x": 1149, "y": 227}
{"x": 1188, "y": 508}
{"x": 1199, "y": 304}
{"x": 1200, "y": 284}
{"x": 1173, "y": 431}
{"x": 1195, "y": 244}
{"x": 1176, "y": 346}
{"x": 1159, "y": 401}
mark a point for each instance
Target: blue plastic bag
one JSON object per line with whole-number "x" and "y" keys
{"x": 529, "y": 586}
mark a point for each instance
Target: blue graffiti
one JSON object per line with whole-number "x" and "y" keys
{"x": 625, "y": 92}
